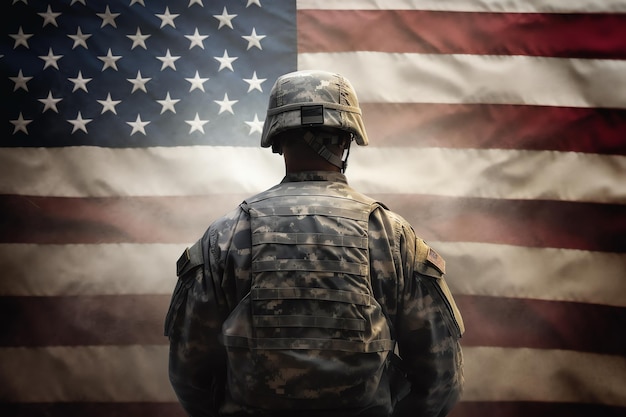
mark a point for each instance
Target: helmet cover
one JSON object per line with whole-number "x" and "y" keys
{"x": 313, "y": 99}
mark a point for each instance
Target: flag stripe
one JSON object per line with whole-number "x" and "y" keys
{"x": 539, "y": 324}
{"x": 138, "y": 319}
{"x": 163, "y": 409}
{"x": 92, "y": 409}
{"x": 189, "y": 171}
{"x": 504, "y": 6}
{"x": 439, "y": 32}
{"x": 535, "y": 409}
{"x": 540, "y": 223}
{"x": 121, "y": 320}
{"x": 531, "y": 272}
{"x": 522, "y": 374}
{"x": 134, "y": 373}
{"x": 488, "y": 126}
{"x": 31, "y": 375}
{"x": 458, "y": 78}
{"x": 479, "y": 269}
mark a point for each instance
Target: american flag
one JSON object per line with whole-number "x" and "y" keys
{"x": 498, "y": 129}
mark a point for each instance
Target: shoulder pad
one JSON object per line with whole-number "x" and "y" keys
{"x": 190, "y": 259}
{"x": 428, "y": 258}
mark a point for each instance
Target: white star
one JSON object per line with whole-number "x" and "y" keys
{"x": 225, "y": 61}
{"x": 78, "y": 1}
{"x": 80, "y": 39}
{"x": 20, "y": 81}
{"x": 79, "y": 123}
{"x": 191, "y": 2}
{"x": 168, "y": 60}
{"x": 255, "y": 83}
{"x": 226, "y": 104}
{"x": 51, "y": 59}
{"x": 256, "y": 125}
{"x": 257, "y": 2}
{"x": 168, "y": 103}
{"x": 196, "y": 82}
{"x": 139, "y": 83}
{"x": 196, "y": 124}
{"x": 21, "y": 38}
{"x": 167, "y": 18}
{"x": 80, "y": 82}
{"x": 225, "y": 18}
{"x": 196, "y": 39}
{"x": 109, "y": 104}
{"x": 109, "y": 60}
{"x": 50, "y": 103}
{"x": 137, "y": 1}
{"x": 20, "y": 124}
{"x": 138, "y": 39}
{"x": 254, "y": 39}
{"x": 49, "y": 17}
{"x": 138, "y": 126}
{"x": 108, "y": 18}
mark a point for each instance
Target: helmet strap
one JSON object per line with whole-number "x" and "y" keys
{"x": 318, "y": 146}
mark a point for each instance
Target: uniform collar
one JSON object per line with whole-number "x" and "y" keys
{"x": 315, "y": 176}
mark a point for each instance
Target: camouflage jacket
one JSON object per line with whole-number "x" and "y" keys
{"x": 407, "y": 279}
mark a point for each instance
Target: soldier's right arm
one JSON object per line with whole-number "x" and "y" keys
{"x": 194, "y": 321}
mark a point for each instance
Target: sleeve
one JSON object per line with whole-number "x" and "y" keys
{"x": 193, "y": 325}
{"x": 429, "y": 327}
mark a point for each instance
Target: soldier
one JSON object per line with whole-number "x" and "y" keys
{"x": 311, "y": 298}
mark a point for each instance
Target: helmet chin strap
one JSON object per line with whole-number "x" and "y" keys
{"x": 318, "y": 143}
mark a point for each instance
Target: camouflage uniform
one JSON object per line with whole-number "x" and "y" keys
{"x": 302, "y": 355}
{"x": 406, "y": 279}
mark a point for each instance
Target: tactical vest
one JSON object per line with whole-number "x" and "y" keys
{"x": 309, "y": 334}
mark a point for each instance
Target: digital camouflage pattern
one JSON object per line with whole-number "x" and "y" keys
{"x": 310, "y": 334}
{"x": 313, "y": 98}
{"x": 407, "y": 281}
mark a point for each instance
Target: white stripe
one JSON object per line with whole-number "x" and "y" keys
{"x": 205, "y": 170}
{"x": 86, "y": 374}
{"x": 85, "y": 171}
{"x": 139, "y": 373}
{"x": 473, "y": 269}
{"x": 504, "y": 6}
{"x": 550, "y": 274}
{"x": 509, "y": 374}
{"x": 490, "y": 173}
{"x": 98, "y": 269}
{"x": 504, "y": 79}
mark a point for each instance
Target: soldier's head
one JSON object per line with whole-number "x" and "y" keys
{"x": 318, "y": 110}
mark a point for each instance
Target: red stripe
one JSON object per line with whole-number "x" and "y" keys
{"x": 534, "y": 409}
{"x": 540, "y": 324}
{"x": 489, "y": 126}
{"x": 462, "y": 409}
{"x": 530, "y": 223}
{"x": 84, "y": 320}
{"x": 554, "y": 35}
{"x": 91, "y": 409}
{"x": 138, "y": 319}
{"x": 533, "y": 223}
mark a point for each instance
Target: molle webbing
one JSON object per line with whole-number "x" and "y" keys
{"x": 310, "y": 265}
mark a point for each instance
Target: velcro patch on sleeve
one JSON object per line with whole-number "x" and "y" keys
{"x": 436, "y": 260}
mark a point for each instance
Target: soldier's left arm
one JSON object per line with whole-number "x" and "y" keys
{"x": 429, "y": 330}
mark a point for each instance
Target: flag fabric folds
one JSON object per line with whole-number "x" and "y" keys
{"x": 497, "y": 128}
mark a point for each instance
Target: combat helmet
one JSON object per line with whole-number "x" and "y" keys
{"x": 317, "y": 101}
